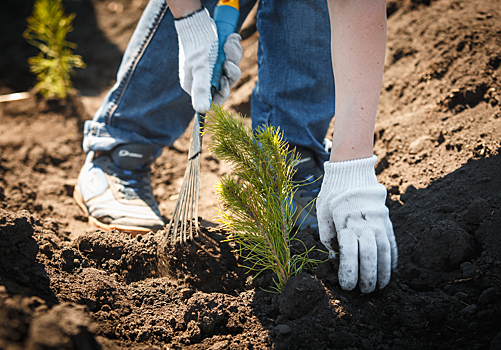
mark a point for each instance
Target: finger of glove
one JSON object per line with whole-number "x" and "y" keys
{"x": 232, "y": 48}
{"x": 223, "y": 93}
{"x": 393, "y": 244}
{"x": 326, "y": 228}
{"x": 348, "y": 259}
{"x": 233, "y": 52}
{"x": 368, "y": 260}
{"x": 232, "y": 72}
{"x": 201, "y": 89}
{"x": 384, "y": 257}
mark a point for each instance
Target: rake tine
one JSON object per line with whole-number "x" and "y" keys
{"x": 197, "y": 196}
{"x": 185, "y": 207}
{"x": 174, "y": 221}
{"x": 189, "y": 206}
{"x": 182, "y": 212}
{"x": 197, "y": 148}
{"x": 189, "y": 193}
{"x": 191, "y": 200}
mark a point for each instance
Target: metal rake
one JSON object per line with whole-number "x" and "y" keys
{"x": 185, "y": 215}
{"x": 226, "y": 16}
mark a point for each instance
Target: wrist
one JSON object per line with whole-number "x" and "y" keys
{"x": 350, "y": 149}
{"x": 183, "y": 8}
{"x": 189, "y": 13}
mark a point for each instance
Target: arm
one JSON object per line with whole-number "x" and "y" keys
{"x": 351, "y": 204}
{"x": 358, "y": 48}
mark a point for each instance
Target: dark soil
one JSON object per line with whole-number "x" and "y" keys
{"x": 67, "y": 285}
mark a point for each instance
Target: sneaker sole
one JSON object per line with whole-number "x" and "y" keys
{"x": 133, "y": 230}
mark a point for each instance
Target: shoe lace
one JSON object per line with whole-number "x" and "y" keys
{"x": 134, "y": 184}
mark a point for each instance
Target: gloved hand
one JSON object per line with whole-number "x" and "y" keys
{"x": 351, "y": 207}
{"x": 198, "y": 50}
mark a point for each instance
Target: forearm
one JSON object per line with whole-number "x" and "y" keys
{"x": 182, "y": 8}
{"x": 358, "y": 48}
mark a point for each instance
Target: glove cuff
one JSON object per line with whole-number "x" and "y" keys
{"x": 195, "y": 28}
{"x": 350, "y": 174}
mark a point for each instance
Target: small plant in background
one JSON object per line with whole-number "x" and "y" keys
{"x": 47, "y": 30}
{"x": 256, "y": 201}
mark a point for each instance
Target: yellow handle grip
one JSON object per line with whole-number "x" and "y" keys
{"x": 232, "y": 3}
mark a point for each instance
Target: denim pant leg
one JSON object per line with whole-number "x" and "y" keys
{"x": 295, "y": 89}
{"x": 146, "y": 104}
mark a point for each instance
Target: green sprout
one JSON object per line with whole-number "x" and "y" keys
{"x": 47, "y": 29}
{"x": 256, "y": 201}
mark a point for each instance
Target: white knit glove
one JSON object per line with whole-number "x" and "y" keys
{"x": 198, "y": 50}
{"x": 351, "y": 207}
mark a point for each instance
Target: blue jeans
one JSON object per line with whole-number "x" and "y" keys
{"x": 295, "y": 88}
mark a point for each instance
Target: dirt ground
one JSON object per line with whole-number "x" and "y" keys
{"x": 67, "y": 285}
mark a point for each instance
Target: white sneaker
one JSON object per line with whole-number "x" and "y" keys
{"x": 114, "y": 189}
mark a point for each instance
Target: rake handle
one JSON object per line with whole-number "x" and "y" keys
{"x": 226, "y": 16}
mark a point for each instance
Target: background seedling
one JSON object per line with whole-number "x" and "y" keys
{"x": 47, "y": 30}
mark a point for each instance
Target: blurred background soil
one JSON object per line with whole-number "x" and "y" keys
{"x": 66, "y": 285}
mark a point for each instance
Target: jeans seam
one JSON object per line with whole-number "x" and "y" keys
{"x": 125, "y": 81}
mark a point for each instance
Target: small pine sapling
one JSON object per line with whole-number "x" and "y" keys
{"x": 47, "y": 29}
{"x": 256, "y": 201}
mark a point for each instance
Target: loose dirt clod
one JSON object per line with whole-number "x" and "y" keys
{"x": 300, "y": 296}
{"x": 444, "y": 248}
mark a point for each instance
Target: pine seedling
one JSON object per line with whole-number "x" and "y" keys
{"x": 256, "y": 201}
{"x": 47, "y": 30}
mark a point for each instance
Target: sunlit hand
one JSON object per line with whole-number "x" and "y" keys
{"x": 351, "y": 207}
{"x": 198, "y": 50}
